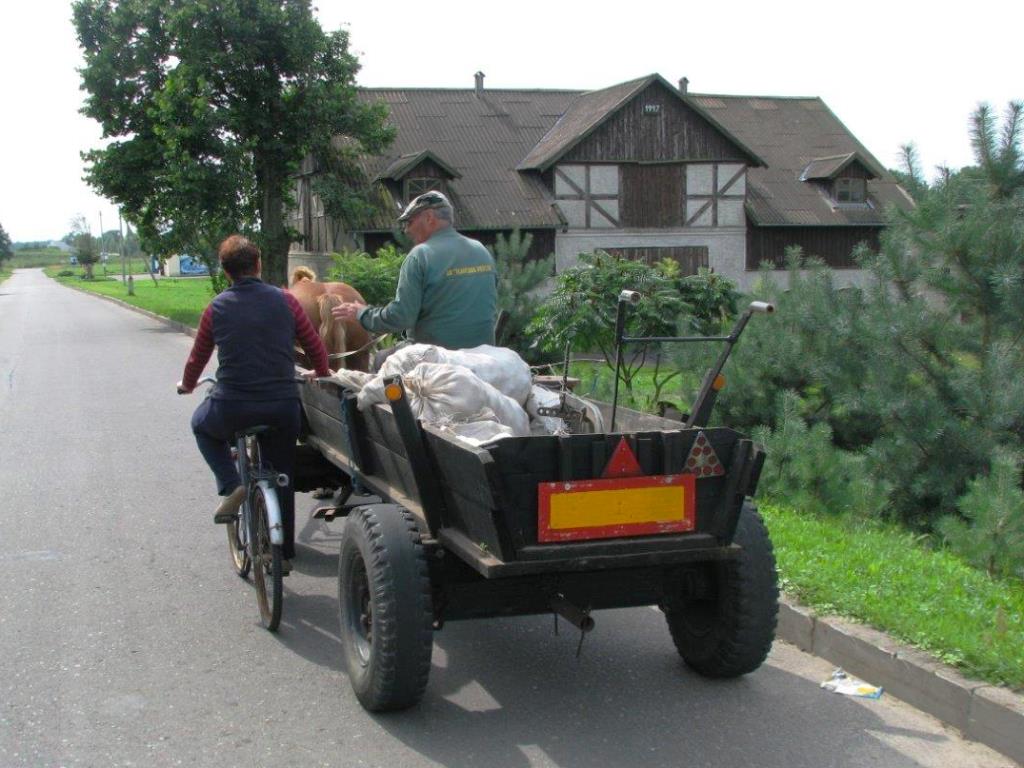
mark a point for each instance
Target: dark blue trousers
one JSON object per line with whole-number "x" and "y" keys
{"x": 215, "y": 423}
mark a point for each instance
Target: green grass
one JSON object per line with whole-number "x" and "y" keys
{"x": 597, "y": 380}
{"x": 181, "y": 299}
{"x": 110, "y": 269}
{"x": 37, "y": 257}
{"x": 883, "y": 576}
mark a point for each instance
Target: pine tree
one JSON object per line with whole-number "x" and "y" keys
{"x": 991, "y": 533}
{"x": 519, "y": 277}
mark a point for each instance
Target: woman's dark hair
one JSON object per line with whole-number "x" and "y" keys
{"x": 239, "y": 256}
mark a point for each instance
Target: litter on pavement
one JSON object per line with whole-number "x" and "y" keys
{"x": 841, "y": 682}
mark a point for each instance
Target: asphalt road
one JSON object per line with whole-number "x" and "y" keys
{"x": 126, "y": 639}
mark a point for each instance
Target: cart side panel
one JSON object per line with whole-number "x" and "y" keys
{"x": 327, "y": 420}
{"x": 375, "y": 449}
{"x": 472, "y": 495}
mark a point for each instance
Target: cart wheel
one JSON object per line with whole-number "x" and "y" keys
{"x": 266, "y": 557}
{"x": 238, "y": 542}
{"x": 385, "y": 607}
{"x": 729, "y": 631}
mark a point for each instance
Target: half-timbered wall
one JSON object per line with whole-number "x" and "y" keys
{"x": 643, "y": 196}
{"x": 588, "y": 195}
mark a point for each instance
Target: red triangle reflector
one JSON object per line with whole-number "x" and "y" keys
{"x": 623, "y": 462}
{"x": 702, "y": 460}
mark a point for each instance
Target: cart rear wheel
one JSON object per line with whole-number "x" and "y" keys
{"x": 729, "y": 631}
{"x": 385, "y": 607}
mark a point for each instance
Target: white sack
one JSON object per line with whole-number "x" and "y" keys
{"x": 354, "y": 380}
{"x": 500, "y": 367}
{"x": 477, "y": 433}
{"x": 445, "y": 393}
{"x": 403, "y": 360}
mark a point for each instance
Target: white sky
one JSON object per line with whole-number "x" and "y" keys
{"x": 893, "y": 71}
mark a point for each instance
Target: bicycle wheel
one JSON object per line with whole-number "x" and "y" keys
{"x": 238, "y": 543}
{"x": 266, "y": 557}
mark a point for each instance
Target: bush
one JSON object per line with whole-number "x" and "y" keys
{"x": 581, "y": 312}
{"x": 711, "y": 298}
{"x": 375, "y": 277}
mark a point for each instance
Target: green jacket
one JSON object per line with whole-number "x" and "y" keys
{"x": 447, "y": 294}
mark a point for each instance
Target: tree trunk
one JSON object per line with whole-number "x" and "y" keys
{"x": 274, "y": 236}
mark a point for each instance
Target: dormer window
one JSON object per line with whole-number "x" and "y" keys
{"x": 848, "y": 190}
{"x": 415, "y": 187}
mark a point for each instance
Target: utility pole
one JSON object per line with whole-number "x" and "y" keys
{"x": 131, "y": 280}
{"x": 120, "y": 230}
{"x": 101, "y": 244}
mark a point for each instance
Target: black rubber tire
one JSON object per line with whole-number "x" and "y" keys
{"x": 266, "y": 573}
{"x": 729, "y": 632}
{"x": 237, "y": 546}
{"x": 385, "y": 607}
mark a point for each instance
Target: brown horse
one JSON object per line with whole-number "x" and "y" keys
{"x": 339, "y": 336}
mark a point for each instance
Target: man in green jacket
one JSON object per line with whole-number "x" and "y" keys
{"x": 448, "y": 286}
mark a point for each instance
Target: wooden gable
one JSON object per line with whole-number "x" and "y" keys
{"x": 655, "y": 126}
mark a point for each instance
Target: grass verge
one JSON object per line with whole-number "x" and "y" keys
{"x": 884, "y": 576}
{"x": 181, "y": 299}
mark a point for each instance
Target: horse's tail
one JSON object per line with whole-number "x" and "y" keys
{"x": 332, "y": 331}
{"x": 302, "y": 273}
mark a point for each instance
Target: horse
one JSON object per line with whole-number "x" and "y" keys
{"x": 339, "y": 336}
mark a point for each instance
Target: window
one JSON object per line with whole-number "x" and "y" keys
{"x": 416, "y": 187}
{"x": 850, "y": 190}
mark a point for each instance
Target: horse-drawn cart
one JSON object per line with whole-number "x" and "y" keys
{"x": 655, "y": 512}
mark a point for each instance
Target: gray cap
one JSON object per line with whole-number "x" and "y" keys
{"x": 426, "y": 201}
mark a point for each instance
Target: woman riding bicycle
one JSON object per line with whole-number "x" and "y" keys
{"x": 254, "y": 327}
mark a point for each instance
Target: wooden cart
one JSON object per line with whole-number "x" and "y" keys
{"x": 436, "y": 530}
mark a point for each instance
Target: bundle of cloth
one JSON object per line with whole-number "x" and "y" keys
{"x": 479, "y": 395}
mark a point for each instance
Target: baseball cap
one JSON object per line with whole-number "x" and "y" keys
{"x": 425, "y": 202}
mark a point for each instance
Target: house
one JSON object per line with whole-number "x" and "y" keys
{"x": 643, "y": 169}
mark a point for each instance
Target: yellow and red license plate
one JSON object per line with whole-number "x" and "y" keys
{"x": 605, "y": 509}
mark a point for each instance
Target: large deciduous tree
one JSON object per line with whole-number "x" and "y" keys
{"x": 209, "y": 108}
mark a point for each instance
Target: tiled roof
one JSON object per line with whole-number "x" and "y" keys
{"x": 829, "y": 167}
{"x": 488, "y": 139}
{"x": 790, "y": 134}
{"x": 406, "y": 163}
{"x": 481, "y": 138}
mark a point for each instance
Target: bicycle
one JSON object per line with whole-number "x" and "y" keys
{"x": 256, "y": 535}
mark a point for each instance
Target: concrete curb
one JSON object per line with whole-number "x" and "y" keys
{"x": 986, "y": 713}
